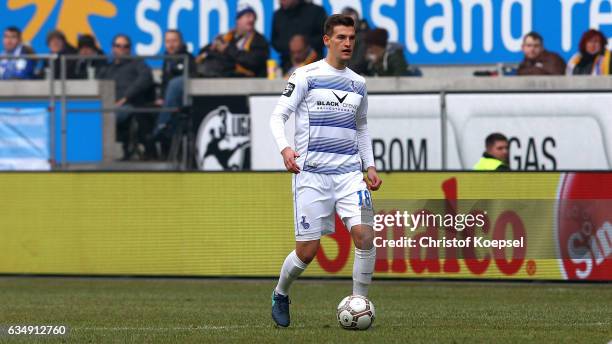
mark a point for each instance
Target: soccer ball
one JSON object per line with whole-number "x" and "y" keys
{"x": 356, "y": 312}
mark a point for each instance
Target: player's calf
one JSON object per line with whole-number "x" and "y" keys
{"x": 365, "y": 258}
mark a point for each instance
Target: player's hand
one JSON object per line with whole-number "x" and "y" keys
{"x": 372, "y": 179}
{"x": 289, "y": 156}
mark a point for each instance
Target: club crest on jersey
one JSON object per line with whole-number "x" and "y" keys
{"x": 289, "y": 89}
{"x": 353, "y": 86}
{"x": 305, "y": 224}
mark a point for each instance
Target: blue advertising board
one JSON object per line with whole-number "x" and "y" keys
{"x": 83, "y": 129}
{"x": 432, "y": 31}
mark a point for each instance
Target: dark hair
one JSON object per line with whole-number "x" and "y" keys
{"x": 587, "y": 36}
{"x": 350, "y": 11}
{"x": 14, "y": 29}
{"x": 87, "y": 41}
{"x": 337, "y": 20}
{"x": 536, "y": 36}
{"x": 492, "y": 138}
{"x": 56, "y": 34}
{"x": 176, "y": 32}
{"x": 378, "y": 37}
{"x": 124, "y": 36}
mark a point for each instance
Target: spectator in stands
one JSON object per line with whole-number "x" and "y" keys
{"x": 592, "y": 58}
{"x": 89, "y": 68}
{"x": 134, "y": 87}
{"x": 172, "y": 86}
{"x": 384, "y": 58}
{"x": 539, "y": 61}
{"x": 58, "y": 45}
{"x": 495, "y": 157}
{"x": 13, "y": 46}
{"x": 301, "y": 53}
{"x": 358, "y": 63}
{"x": 297, "y": 17}
{"x": 242, "y": 52}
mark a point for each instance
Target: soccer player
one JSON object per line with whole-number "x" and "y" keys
{"x": 332, "y": 148}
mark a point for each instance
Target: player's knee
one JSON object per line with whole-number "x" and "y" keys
{"x": 307, "y": 251}
{"x": 363, "y": 237}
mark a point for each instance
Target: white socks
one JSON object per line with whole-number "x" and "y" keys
{"x": 363, "y": 267}
{"x": 292, "y": 268}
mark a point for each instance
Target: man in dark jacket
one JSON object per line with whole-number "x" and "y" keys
{"x": 537, "y": 60}
{"x": 242, "y": 52}
{"x": 86, "y": 68}
{"x": 134, "y": 87}
{"x": 384, "y": 58}
{"x": 296, "y": 17}
{"x": 173, "y": 82}
{"x": 358, "y": 63}
{"x": 58, "y": 45}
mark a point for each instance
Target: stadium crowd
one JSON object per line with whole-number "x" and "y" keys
{"x": 297, "y": 28}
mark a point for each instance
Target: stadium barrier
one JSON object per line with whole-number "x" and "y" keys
{"x": 554, "y": 123}
{"x": 241, "y": 224}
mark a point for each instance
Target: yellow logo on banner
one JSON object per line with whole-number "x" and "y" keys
{"x": 73, "y": 17}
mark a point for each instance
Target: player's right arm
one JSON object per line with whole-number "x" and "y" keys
{"x": 294, "y": 93}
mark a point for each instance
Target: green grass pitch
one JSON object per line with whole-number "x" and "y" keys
{"x": 116, "y": 310}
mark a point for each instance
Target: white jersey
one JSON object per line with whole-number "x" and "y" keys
{"x": 330, "y": 106}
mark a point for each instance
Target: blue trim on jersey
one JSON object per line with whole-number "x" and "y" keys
{"x": 333, "y": 145}
{"x": 334, "y": 170}
{"x": 335, "y": 82}
{"x": 330, "y": 119}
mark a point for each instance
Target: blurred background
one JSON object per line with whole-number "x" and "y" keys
{"x": 190, "y": 85}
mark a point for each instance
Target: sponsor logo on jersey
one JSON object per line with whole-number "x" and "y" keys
{"x": 341, "y": 100}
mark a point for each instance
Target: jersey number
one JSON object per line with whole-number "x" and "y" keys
{"x": 364, "y": 198}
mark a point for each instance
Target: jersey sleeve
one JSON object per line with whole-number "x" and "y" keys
{"x": 293, "y": 94}
{"x": 364, "y": 142}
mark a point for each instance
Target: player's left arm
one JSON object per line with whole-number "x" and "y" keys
{"x": 364, "y": 143}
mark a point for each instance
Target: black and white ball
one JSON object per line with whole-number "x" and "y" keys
{"x": 356, "y": 312}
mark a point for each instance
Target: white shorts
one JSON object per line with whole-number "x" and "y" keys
{"x": 318, "y": 197}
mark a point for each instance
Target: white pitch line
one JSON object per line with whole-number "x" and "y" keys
{"x": 197, "y": 328}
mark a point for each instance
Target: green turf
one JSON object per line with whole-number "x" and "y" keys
{"x": 219, "y": 311}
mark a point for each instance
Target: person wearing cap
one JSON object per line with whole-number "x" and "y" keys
{"x": 495, "y": 157}
{"x": 384, "y": 58}
{"x": 242, "y": 52}
{"x": 87, "y": 67}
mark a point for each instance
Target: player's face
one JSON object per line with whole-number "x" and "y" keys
{"x": 341, "y": 43}
{"x": 532, "y": 48}
{"x": 499, "y": 150}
